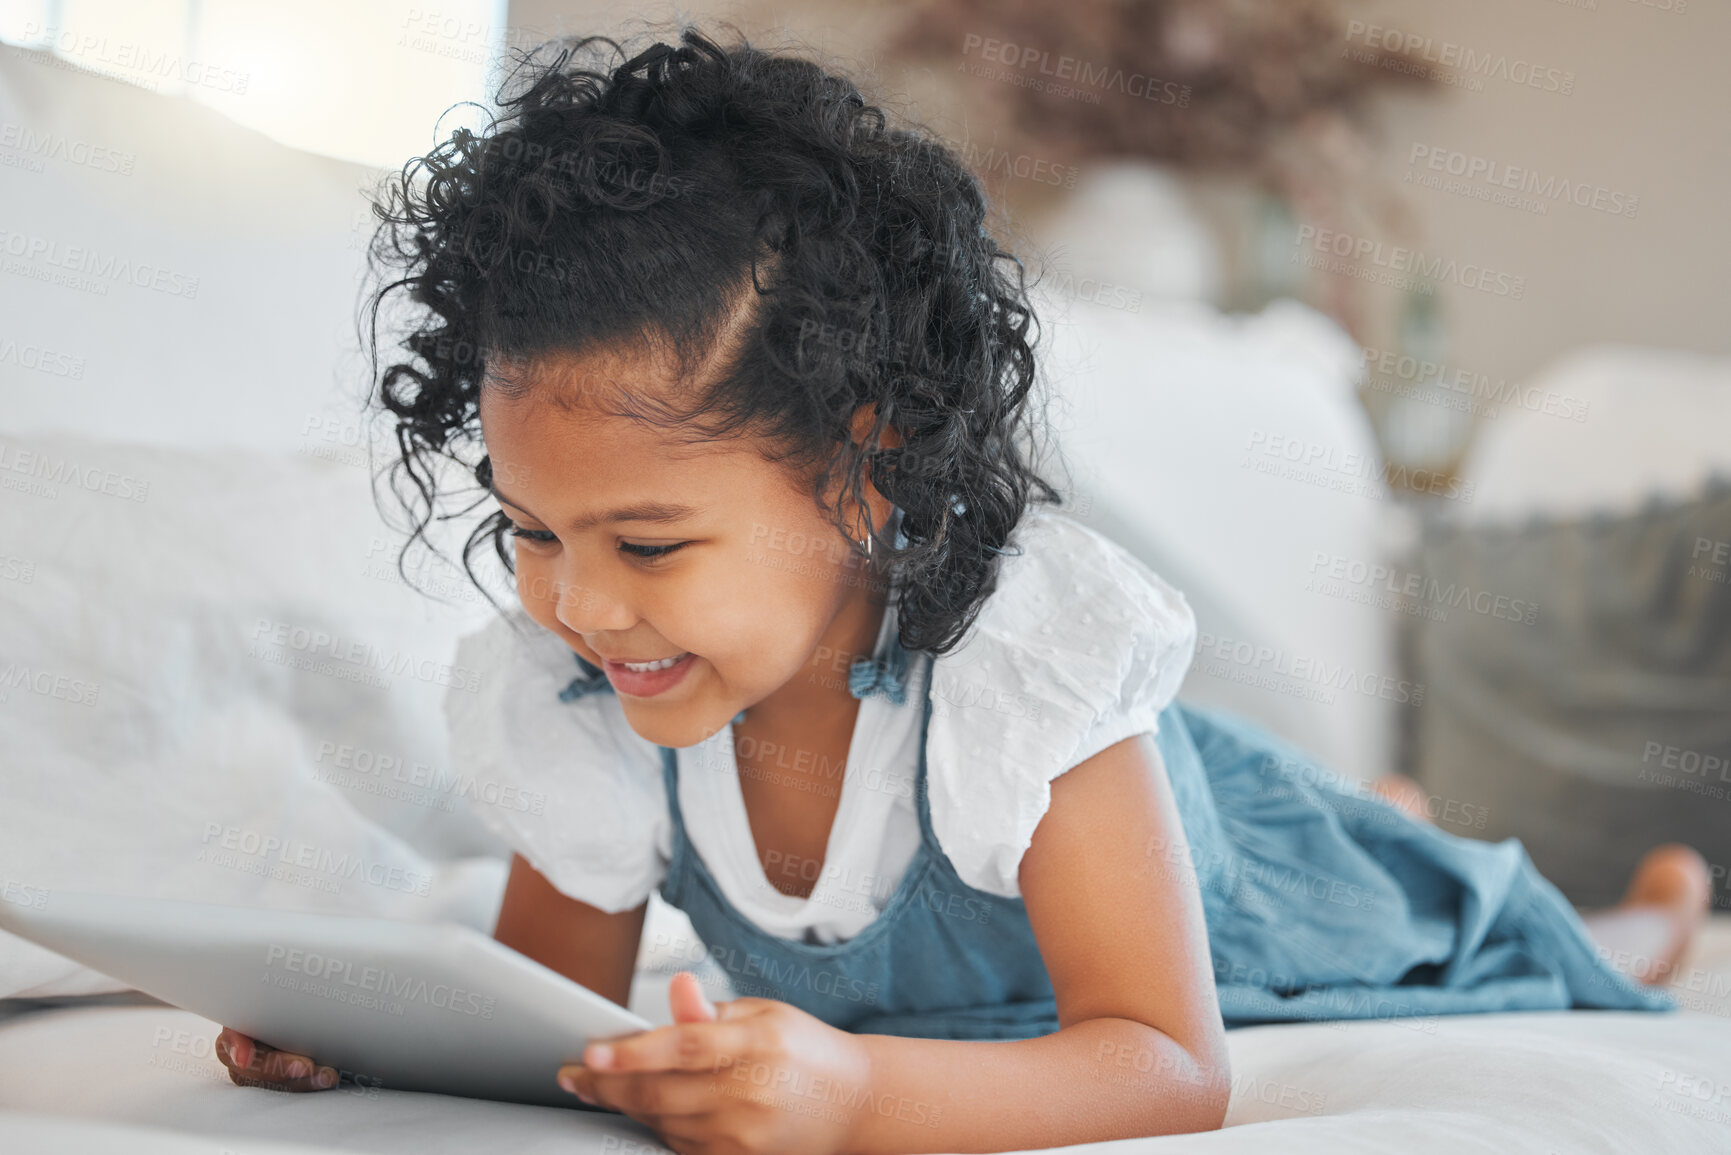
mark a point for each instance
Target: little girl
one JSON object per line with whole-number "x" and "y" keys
{"x": 804, "y": 646}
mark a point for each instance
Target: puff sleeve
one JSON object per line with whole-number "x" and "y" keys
{"x": 1078, "y": 647}
{"x": 568, "y": 785}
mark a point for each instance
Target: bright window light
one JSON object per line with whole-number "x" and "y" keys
{"x": 363, "y": 80}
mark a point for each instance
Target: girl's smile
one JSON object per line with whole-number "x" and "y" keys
{"x": 647, "y": 679}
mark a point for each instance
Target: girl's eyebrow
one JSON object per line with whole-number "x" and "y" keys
{"x": 659, "y": 512}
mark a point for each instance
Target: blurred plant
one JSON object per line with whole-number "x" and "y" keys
{"x": 1273, "y": 92}
{"x": 1258, "y": 73}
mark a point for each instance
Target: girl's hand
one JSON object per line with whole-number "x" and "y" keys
{"x": 251, "y": 1063}
{"x": 754, "y": 1076}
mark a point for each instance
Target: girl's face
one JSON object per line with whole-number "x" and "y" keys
{"x": 701, "y": 578}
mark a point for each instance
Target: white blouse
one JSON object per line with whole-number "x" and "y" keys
{"x": 1078, "y": 647}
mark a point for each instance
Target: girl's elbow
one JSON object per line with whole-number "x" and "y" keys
{"x": 1207, "y": 1097}
{"x": 1195, "y": 1101}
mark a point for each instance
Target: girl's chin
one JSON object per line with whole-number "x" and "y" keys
{"x": 665, "y": 724}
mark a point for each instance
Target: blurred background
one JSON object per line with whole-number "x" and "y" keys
{"x": 1393, "y": 334}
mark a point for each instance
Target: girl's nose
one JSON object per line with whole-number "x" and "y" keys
{"x": 587, "y": 608}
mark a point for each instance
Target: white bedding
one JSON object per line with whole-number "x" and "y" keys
{"x": 142, "y": 1079}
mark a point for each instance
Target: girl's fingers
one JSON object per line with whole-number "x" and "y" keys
{"x": 654, "y": 1098}
{"x": 252, "y": 1063}
{"x": 234, "y": 1049}
{"x": 686, "y": 999}
{"x": 680, "y": 1047}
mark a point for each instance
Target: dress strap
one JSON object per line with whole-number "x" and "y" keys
{"x": 591, "y": 681}
{"x": 922, "y": 792}
{"x": 885, "y": 673}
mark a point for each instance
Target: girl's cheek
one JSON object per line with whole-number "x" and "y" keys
{"x": 536, "y": 588}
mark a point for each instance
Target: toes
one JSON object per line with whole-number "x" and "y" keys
{"x": 1404, "y": 793}
{"x": 1673, "y": 876}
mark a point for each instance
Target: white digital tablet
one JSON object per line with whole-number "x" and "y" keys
{"x": 401, "y": 1005}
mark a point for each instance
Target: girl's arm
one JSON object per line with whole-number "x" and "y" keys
{"x": 582, "y": 942}
{"x": 1140, "y": 1050}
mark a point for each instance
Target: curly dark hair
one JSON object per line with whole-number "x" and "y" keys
{"x": 634, "y": 207}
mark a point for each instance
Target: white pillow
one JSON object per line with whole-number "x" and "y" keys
{"x": 1603, "y": 430}
{"x": 192, "y": 282}
{"x": 204, "y": 652}
{"x": 1177, "y": 422}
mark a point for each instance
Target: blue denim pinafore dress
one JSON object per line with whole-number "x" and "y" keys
{"x": 1321, "y": 903}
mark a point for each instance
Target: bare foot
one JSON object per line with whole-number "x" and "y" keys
{"x": 1651, "y": 930}
{"x": 1404, "y": 793}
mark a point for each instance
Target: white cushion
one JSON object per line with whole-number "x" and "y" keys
{"x": 159, "y": 612}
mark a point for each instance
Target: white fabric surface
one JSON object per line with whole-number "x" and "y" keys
{"x": 158, "y": 718}
{"x": 261, "y": 353}
{"x": 1079, "y": 647}
{"x": 1571, "y": 1083}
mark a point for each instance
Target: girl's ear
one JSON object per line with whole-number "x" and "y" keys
{"x": 859, "y": 429}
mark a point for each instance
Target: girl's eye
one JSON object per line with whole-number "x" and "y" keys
{"x": 540, "y": 536}
{"x": 650, "y": 551}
